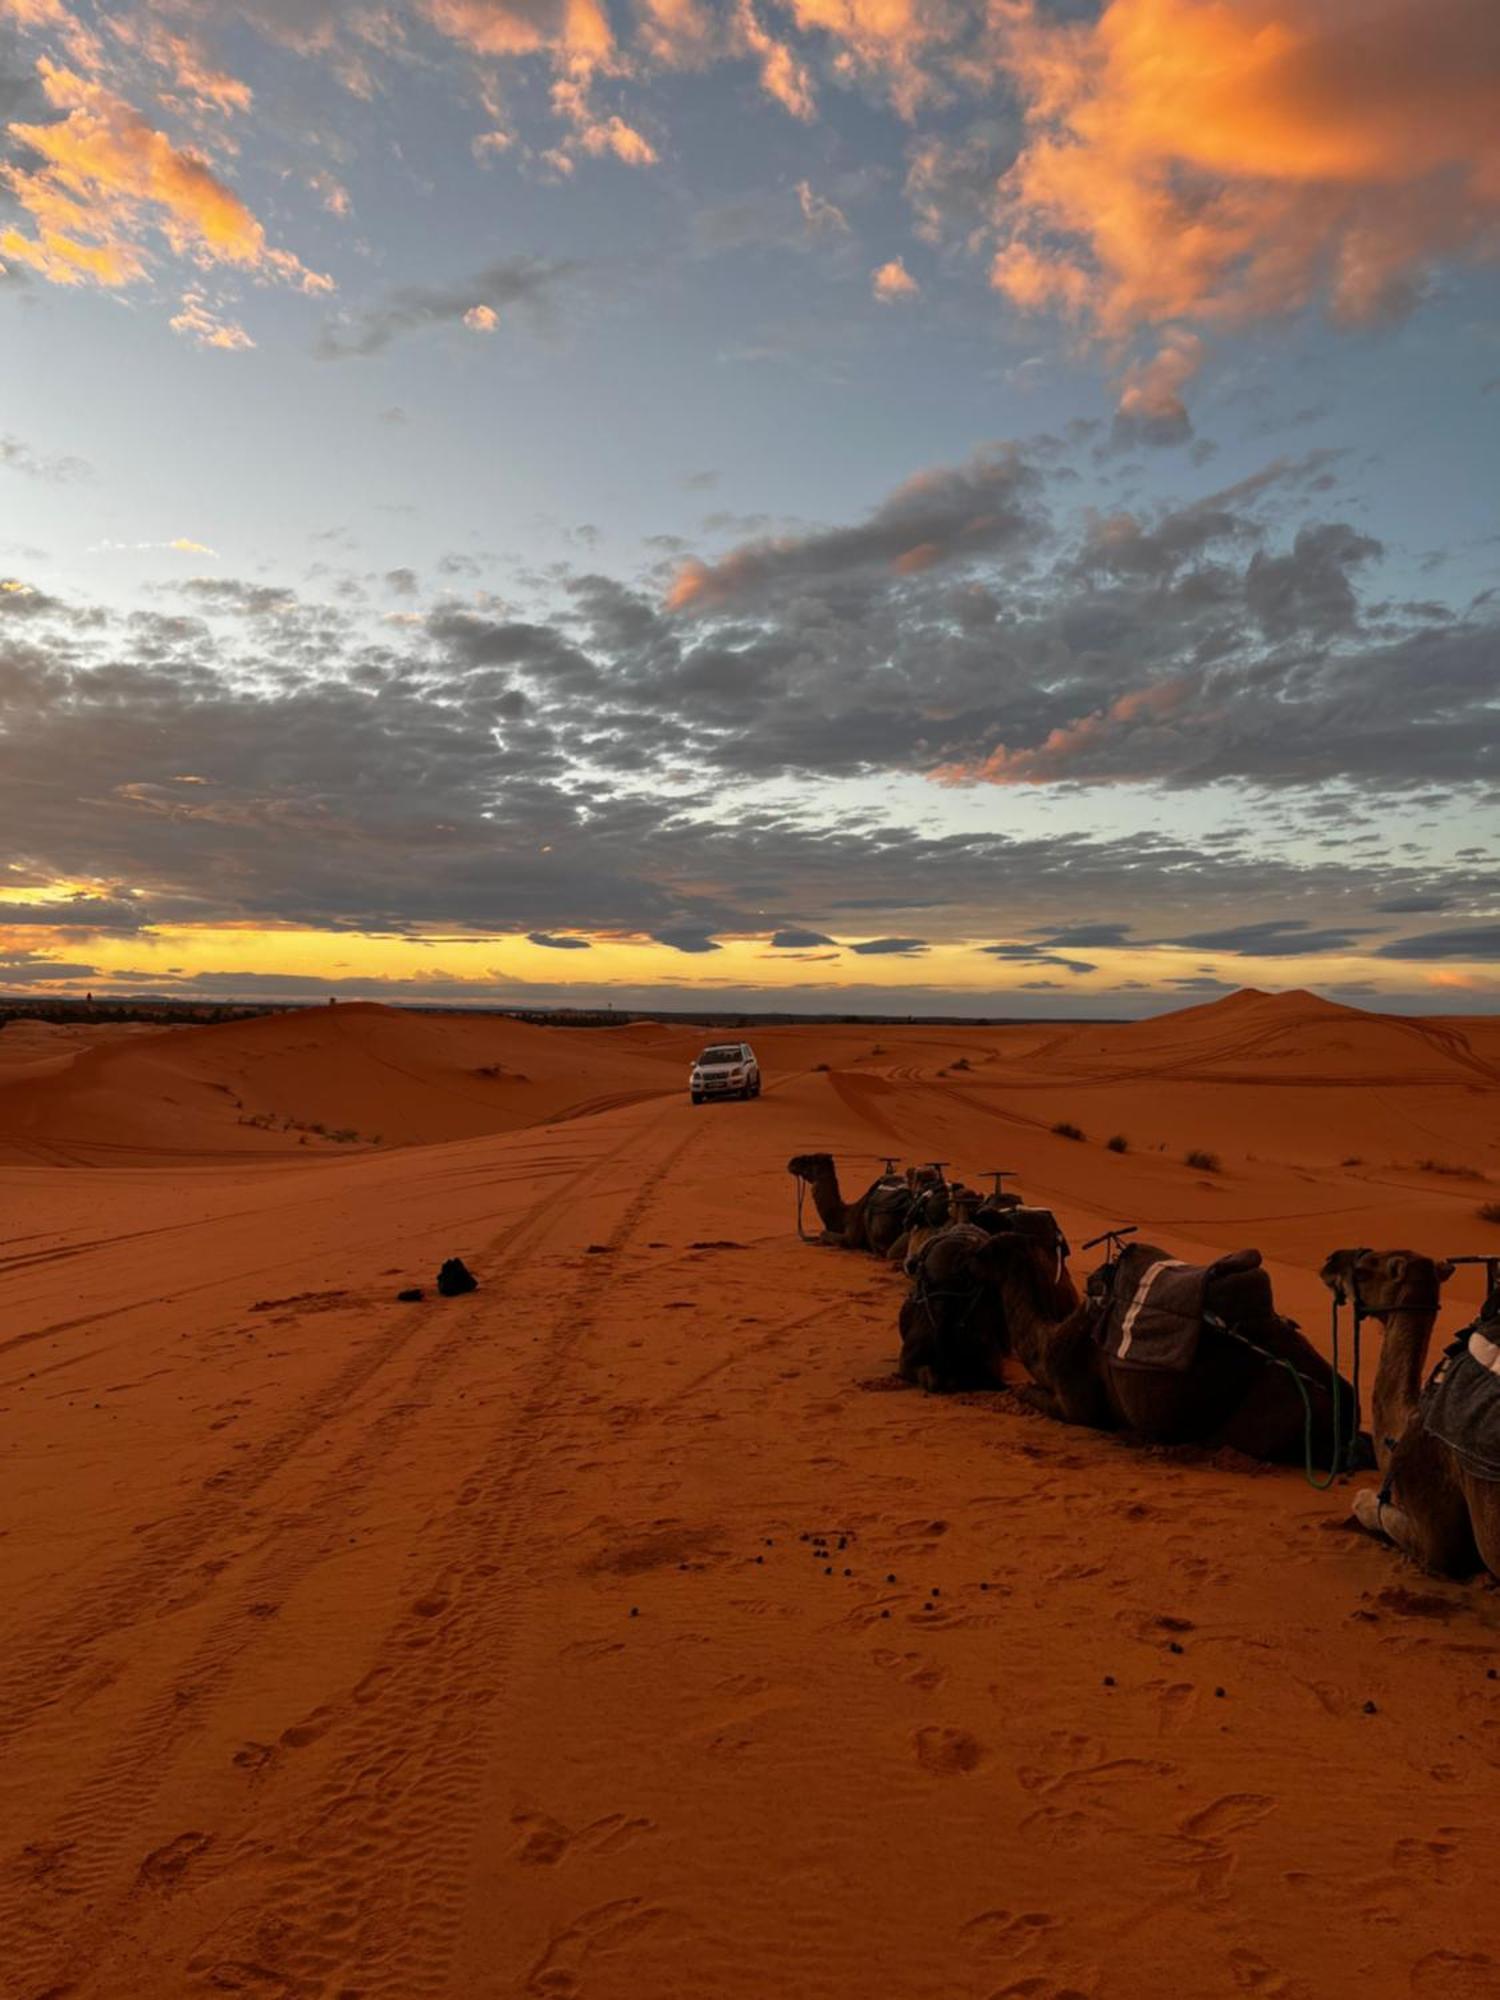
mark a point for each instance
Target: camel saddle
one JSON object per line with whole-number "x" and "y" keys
{"x": 1461, "y": 1403}
{"x": 1149, "y": 1308}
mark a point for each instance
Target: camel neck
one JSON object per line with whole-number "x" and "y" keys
{"x": 1403, "y": 1366}
{"x": 1027, "y": 1324}
{"x": 827, "y": 1200}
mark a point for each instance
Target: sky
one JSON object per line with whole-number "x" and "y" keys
{"x": 981, "y": 506}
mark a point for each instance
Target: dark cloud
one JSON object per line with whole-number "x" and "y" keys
{"x": 1273, "y": 939}
{"x": 685, "y": 939}
{"x": 1097, "y": 935}
{"x": 990, "y": 506}
{"x": 1480, "y": 943}
{"x": 891, "y": 947}
{"x": 528, "y": 285}
{"x": 558, "y": 943}
{"x": 76, "y": 913}
{"x": 798, "y": 940}
{"x": 1030, "y": 954}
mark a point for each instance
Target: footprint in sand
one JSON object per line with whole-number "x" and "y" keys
{"x": 301, "y": 1734}
{"x": 1039, "y": 1987}
{"x": 164, "y": 1867}
{"x": 947, "y": 1753}
{"x": 546, "y": 1841}
{"x": 1456, "y": 1975}
{"x": 1006, "y": 1933}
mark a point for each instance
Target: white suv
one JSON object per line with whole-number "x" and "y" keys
{"x": 728, "y": 1069}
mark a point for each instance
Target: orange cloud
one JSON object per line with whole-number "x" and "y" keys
{"x": 1224, "y": 160}
{"x": 106, "y": 177}
{"x": 1059, "y": 754}
{"x": 198, "y": 322}
{"x": 1151, "y": 406}
{"x": 892, "y": 282}
{"x": 782, "y": 75}
{"x": 885, "y": 38}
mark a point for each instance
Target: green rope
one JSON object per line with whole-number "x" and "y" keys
{"x": 1342, "y": 1454}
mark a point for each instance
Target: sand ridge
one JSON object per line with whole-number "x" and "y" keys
{"x": 474, "y": 1647}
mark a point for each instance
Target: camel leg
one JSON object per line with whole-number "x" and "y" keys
{"x": 1035, "y": 1397}
{"x": 1445, "y": 1553}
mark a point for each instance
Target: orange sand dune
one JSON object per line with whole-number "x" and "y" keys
{"x": 474, "y": 1648}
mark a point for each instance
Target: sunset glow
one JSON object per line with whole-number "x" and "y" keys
{"x": 1011, "y": 532}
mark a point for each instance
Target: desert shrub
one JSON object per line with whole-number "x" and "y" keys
{"x": 345, "y": 1135}
{"x": 1207, "y": 1163}
{"x": 1118, "y": 1144}
{"x": 820, "y": 1069}
{"x": 1488, "y": 1211}
{"x": 959, "y": 1062}
{"x": 1354, "y": 1160}
{"x": 1066, "y": 1131}
{"x": 1446, "y": 1167}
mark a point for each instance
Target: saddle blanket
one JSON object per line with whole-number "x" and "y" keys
{"x": 1154, "y": 1314}
{"x": 1461, "y": 1409}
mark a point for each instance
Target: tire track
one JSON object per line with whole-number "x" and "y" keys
{"x": 479, "y": 1530}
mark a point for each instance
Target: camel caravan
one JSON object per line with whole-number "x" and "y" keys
{"x": 1172, "y": 1353}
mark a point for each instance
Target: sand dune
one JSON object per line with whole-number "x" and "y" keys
{"x": 474, "y": 1647}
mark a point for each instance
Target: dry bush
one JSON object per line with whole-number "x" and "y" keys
{"x": 1354, "y": 1160}
{"x": 1207, "y": 1163}
{"x": 1446, "y": 1167}
{"x": 820, "y": 1069}
{"x": 1488, "y": 1211}
{"x": 1118, "y": 1144}
{"x": 1066, "y": 1131}
{"x": 959, "y": 1062}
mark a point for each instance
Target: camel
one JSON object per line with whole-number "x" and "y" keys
{"x": 1432, "y": 1505}
{"x": 873, "y": 1221}
{"x": 954, "y": 1333}
{"x": 1011, "y": 1292}
{"x": 936, "y": 1206}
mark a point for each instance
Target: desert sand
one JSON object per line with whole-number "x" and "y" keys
{"x": 482, "y": 1647}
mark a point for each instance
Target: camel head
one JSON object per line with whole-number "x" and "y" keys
{"x": 950, "y": 1295}
{"x": 1384, "y": 1281}
{"x": 811, "y": 1167}
{"x": 1029, "y": 1243}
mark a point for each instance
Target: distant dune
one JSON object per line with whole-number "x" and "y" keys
{"x": 616, "y": 1630}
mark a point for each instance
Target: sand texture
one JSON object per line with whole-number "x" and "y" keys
{"x": 622, "y": 1630}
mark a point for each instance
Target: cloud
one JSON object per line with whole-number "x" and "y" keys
{"x": 1151, "y": 409}
{"x": 551, "y": 943}
{"x": 1482, "y": 943}
{"x": 199, "y": 322}
{"x": 984, "y": 507}
{"x": 528, "y": 283}
{"x": 105, "y": 182}
{"x": 481, "y": 319}
{"x": 1273, "y": 939}
{"x": 17, "y": 456}
{"x": 684, "y": 938}
{"x": 820, "y": 216}
{"x": 890, "y": 947}
{"x": 1223, "y": 161}
{"x": 893, "y": 284}
{"x": 1086, "y": 935}
{"x": 794, "y": 940}
{"x": 1030, "y": 954}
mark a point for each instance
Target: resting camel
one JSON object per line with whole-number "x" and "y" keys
{"x": 1011, "y": 1292}
{"x": 873, "y": 1221}
{"x": 1439, "y": 1510}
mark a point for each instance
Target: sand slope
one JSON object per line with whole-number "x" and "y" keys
{"x": 474, "y": 1648}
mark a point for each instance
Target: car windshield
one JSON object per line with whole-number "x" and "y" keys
{"x": 725, "y": 1055}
